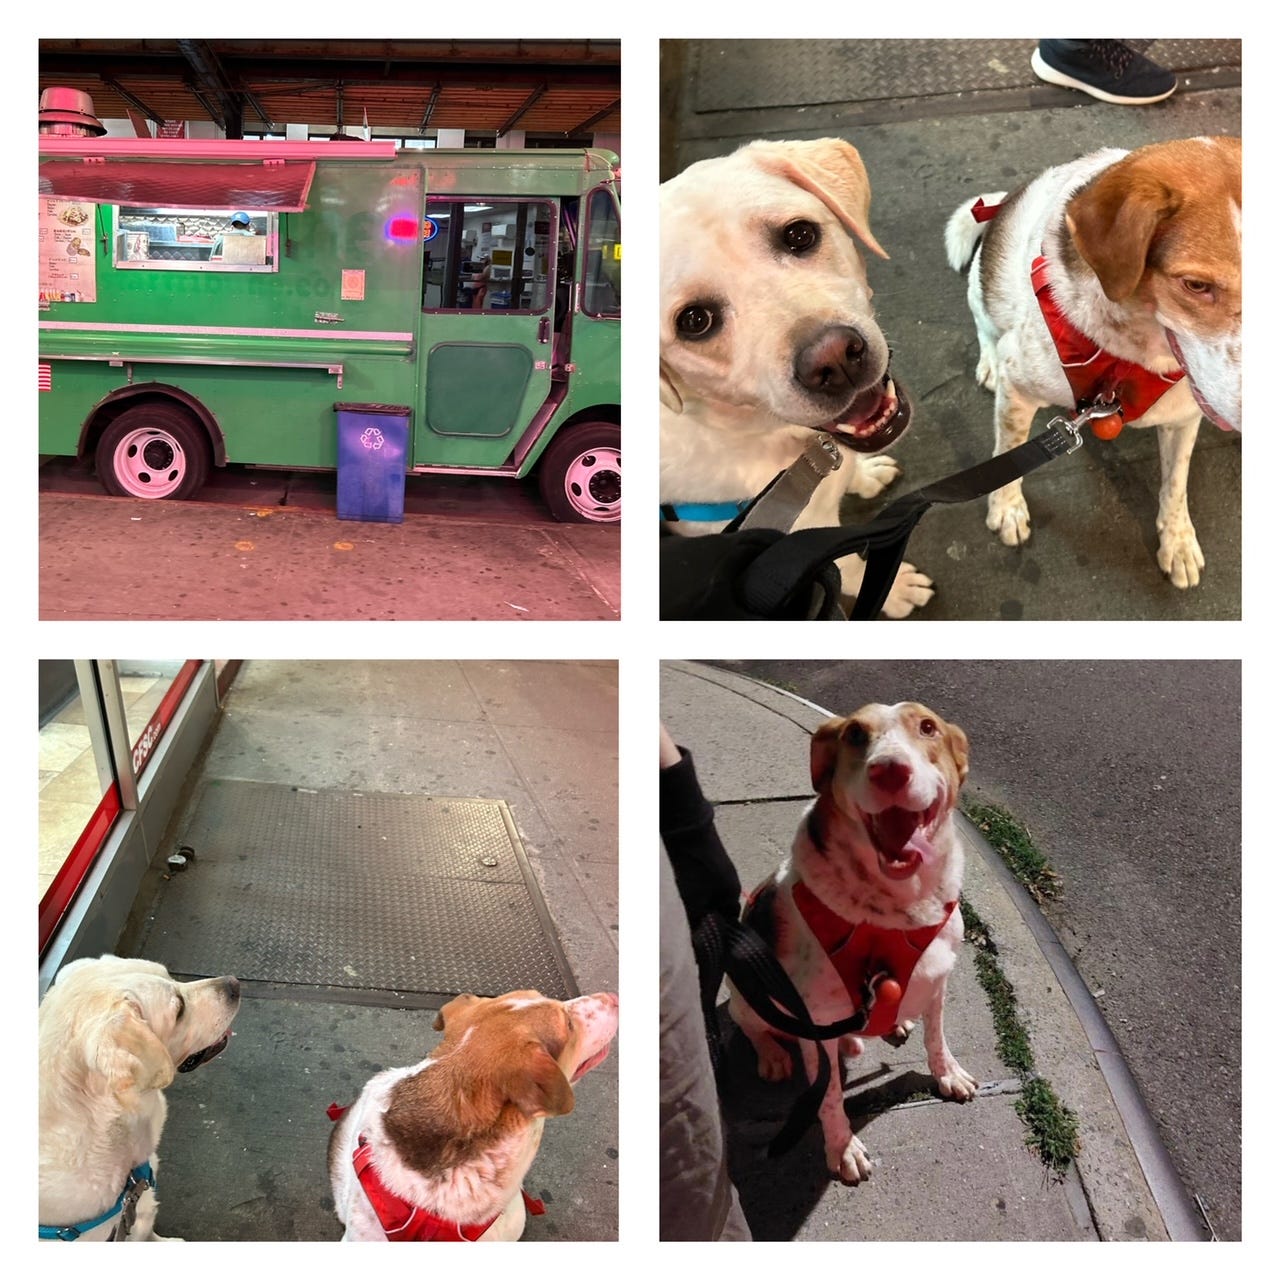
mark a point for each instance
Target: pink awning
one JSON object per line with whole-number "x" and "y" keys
{"x": 282, "y": 186}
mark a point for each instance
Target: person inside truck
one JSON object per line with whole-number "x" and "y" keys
{"x": 241, "y": 225}
{"x": 480, "y": 283}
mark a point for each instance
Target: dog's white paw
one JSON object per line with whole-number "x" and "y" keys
{"x": 873, "y": 475}
{"x": 985, "y": 372}
{"x": 898, "y": 1036}
{"x": 911, "y": 590}
{"x": 1009, "y": 518}
{"x": 1180, "y": 558}
{"x": 773, "y": 1061}
{"x": 955, "y": 1082}
{"x": 849, "y": 1046}
{"x": 852, "y": 1164}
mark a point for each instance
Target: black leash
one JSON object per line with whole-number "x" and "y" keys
{"x": 793, "y": 564}
{"x": 764, "y": 984}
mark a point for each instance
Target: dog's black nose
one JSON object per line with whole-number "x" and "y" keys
{"x": 832, "y": 363}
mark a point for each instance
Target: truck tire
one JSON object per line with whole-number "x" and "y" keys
{"x": 581, "y": 474}
{"x": 153, "y": 451}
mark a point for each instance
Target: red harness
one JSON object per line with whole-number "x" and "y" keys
{"x": 869, "y": 958}
{"x": 1096, "y": 376}
{"x": 404, "y": 1221}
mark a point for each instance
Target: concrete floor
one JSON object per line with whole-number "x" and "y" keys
{"x": 261, "y": 545}
{"x": 244, "y": 1148}
{"x": 936, "y": 123}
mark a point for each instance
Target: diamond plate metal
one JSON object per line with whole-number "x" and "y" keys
{"x": 727, "y": 75}
{"x": 348, "y": 889}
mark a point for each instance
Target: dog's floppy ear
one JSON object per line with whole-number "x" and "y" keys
{"x": 1113, "y": 221}
{"x": 668, "y": 392}
{"x": 823, "y": 749}
{"x": 958, "y": 744}
{"x": 122, "y": 1049}
{"x": 534, "y": 1082}
{"x": 830, "y": 169}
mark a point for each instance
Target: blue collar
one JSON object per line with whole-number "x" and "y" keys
{"x": 702, "y": 510}
{"x": 142, "y": 1174}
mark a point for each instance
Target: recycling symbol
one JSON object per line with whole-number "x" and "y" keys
{"x": 372, "y": 438}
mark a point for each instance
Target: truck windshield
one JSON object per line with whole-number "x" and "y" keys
{"x": 602, "y": 282}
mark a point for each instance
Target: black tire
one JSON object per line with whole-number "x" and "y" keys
{"x": 581, "y": 474}
{"x": 153, "y": 451}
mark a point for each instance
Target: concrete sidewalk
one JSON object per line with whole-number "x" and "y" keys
{"x": 243, "y": 1152}
{"x": 481, "y": 551}
{"x": 941, "y": 1171}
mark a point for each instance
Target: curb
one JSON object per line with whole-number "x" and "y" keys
{"x": 1182, "y": 1219}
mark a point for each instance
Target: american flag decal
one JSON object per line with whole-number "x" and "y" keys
{"x": 46, "y": 377}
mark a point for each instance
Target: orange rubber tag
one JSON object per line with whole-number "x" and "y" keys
{"x": 1108, "y": 428}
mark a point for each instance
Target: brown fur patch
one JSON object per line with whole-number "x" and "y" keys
{"x": 496, "y": 1069}
{"x": 995, "y": 245}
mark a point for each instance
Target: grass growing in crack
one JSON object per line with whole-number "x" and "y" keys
{"x": 1052, "y": 1128}
{"x": 1011, "y": 840}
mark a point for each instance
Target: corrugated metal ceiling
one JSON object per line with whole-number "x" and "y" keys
{"x": 546, "y": 87}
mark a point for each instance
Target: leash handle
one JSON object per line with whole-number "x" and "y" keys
{"x": 790, "y": 564}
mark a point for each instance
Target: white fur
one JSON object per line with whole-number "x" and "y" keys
{"x": 487, "y": 1187}
{"x": 110, "y": 1040}
{"x": 732, "y": 413}
{"x": 1017, "y": 359}
{"x": 844, "y": 876}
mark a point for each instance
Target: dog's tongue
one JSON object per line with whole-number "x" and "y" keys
{"x": 893, "y": 829}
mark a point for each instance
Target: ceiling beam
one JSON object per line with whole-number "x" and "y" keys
{"x": 510, "y": 122}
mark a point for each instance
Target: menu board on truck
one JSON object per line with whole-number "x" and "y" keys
{"x": 68, "y": 265}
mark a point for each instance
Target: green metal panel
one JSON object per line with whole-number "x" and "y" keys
{"x": 189, "y": 330}
{"x": 476, "y": 389}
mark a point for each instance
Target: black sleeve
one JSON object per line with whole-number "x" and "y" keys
{"x": 706, "y": 878}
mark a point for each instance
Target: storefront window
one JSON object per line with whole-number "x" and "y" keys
{"x": 488, "y": 255}
{"x": 602, "y": 282}
{"x": 78, "y": 763}
{"x": 194, "y": 239}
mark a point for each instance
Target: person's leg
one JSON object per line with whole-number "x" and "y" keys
{"x": 696, "y": 1200}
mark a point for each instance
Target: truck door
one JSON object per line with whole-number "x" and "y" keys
{"x": 489, "y": 288}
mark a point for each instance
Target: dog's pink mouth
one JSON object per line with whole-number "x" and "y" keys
{"x": 875, "y": 419}
{"x": 902, "y": 837}
{"x": 590, "y": 1064}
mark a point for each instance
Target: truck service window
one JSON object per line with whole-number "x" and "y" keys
{"x": 148, "y": 239}
{"x": 488, "y": 255}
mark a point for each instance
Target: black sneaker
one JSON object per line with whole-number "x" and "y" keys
{"x": 1106, "y": 69}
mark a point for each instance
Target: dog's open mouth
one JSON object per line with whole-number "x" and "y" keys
{"x": 210, "y": 1051}
{"x": 590, "y": 1064}
{"x": 902, "y": 837}
{"x": 875, "y": 419}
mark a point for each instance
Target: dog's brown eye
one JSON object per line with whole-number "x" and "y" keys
{"x": 928, "y": 727}
{"x": 1201, "y": 288}
{"x": 855, "y": 735}
{"x": 799, "y": 237}
{"x": 697, "y": 321}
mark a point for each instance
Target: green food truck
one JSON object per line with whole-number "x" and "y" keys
{"x": 212, "y": 302}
